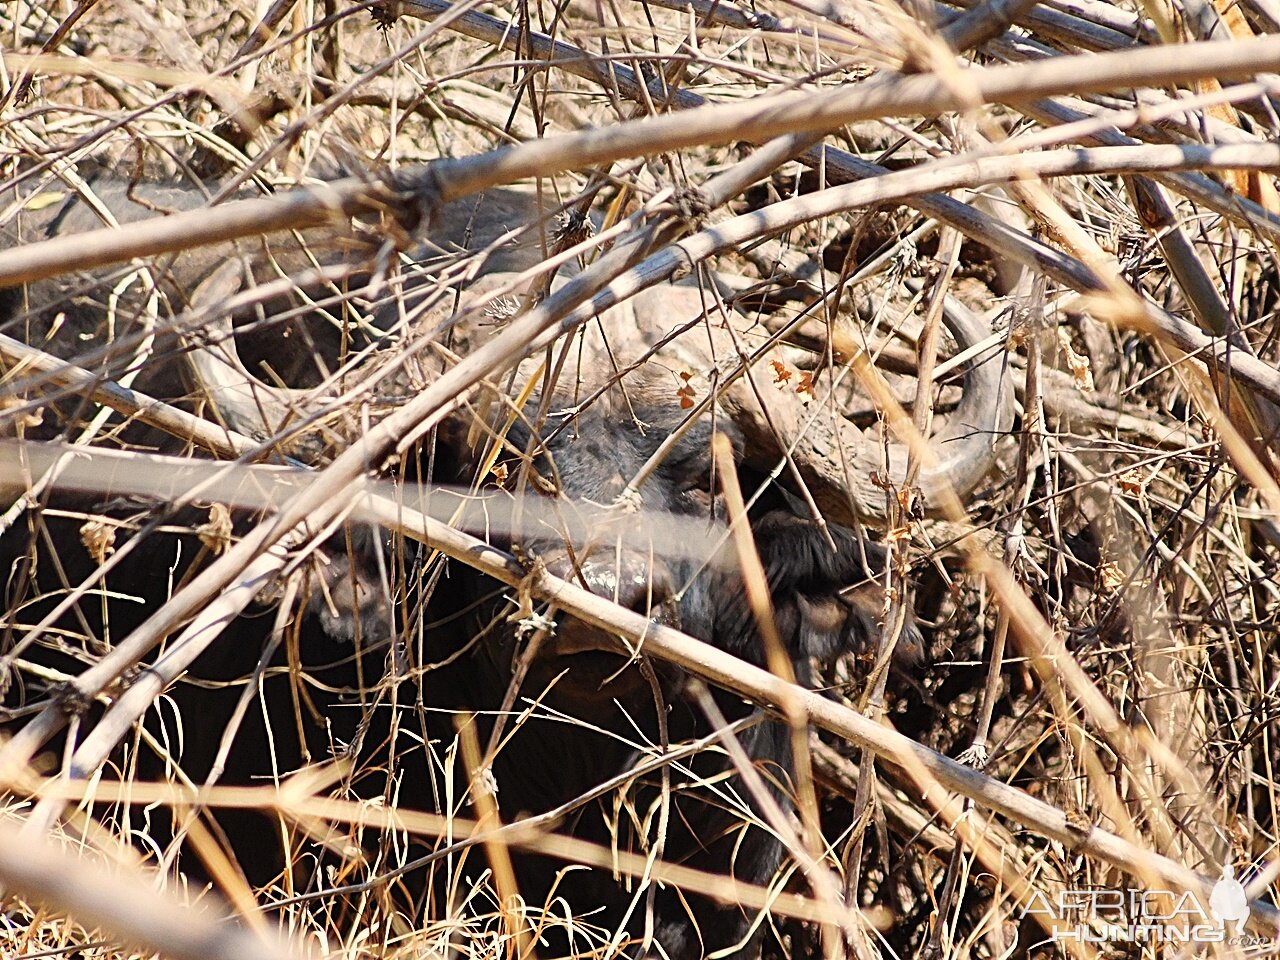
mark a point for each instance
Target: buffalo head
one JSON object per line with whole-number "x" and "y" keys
{"x": 594, "y": 459}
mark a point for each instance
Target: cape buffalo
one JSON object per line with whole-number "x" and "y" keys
{"x": 597, "y": 453}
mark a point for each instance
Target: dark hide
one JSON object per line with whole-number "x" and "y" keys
{"x": 295, "y": 722}
{"x": 825, "y": 605}
{"x": 371, "y": 611}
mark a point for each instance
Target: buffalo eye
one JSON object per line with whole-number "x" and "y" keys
{"x": 700, "y": 498}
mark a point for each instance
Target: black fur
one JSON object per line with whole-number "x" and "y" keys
{"x": 372, "y": 610}
{"x": 549, "y": 763}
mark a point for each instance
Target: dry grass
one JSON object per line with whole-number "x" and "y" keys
{"x": 1100, "y": 612}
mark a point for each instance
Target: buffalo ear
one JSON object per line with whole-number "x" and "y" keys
{"x": 846, "y": 621}
{"x": 866, "y": 600}
{"x": 829, "y": 602}
{"x": 827, "y": 627}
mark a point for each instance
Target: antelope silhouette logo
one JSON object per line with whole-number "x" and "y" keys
{"x": 1228, "y": 902}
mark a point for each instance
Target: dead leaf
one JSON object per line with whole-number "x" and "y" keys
{"x": 1110, "y": 577}
{"x": 1077, "y": 363}
{"x": 805, "y": 386}
{"x": 1133, "y": 482}
{"x": 24, "y": 420}
{"x": 99, "y": 538}
{"x": 686, "y": 393}
{"x": 216, "y": 533}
